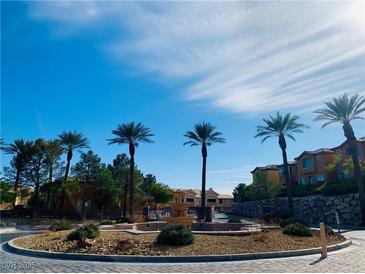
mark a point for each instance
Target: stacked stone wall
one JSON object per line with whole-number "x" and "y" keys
{"x": 310, "y": 209}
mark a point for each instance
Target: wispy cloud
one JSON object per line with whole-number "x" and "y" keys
{"x": 227, "y": 177}
{"x": 240, "y": 56}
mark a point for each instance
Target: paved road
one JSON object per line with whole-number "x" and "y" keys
{"x": 351, "y": 259}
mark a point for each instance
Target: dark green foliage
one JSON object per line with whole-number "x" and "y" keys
{"x": 121, "y": 220}
{"x": 147, "y": 183}
{"x": 176, "y": 235}
{"x": 161, "y": 193}
{"x": 240, "y": 193}
{"x": 339, "y": 188}
{"x": 6, "y": 193}
{"x": 87, "y": 231}
{"x": 328, "y": 188}
{"x": 288, "y": 221}
{"x": 59, "y": 225}
{"x": 106, "y": 222}
{"x": 298, "y": 229}
{"x": 234, "y": 219}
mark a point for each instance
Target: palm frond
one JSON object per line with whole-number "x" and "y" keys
{"x": 342, "y": 109}
{"x": 204, "y": 133}
{"x": 131, "y": 133}
{"x": 279, "y": 125}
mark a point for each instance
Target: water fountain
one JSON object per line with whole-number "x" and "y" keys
{"x": 179, "y": 211}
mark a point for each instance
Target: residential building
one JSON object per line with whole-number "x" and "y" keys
{"x": 343, "y": 153}
{"x": 221, "y": 202}
{"x": 293, "y": 172}
{"x": 271, "y": 171}
{"x": 311, "y": 165}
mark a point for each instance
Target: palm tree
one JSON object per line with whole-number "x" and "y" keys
{"x": 344, "y": 110}
{"x": 131, "y": 134}
{"x": 281, "y": 127}
{"x": 21, "y": 150}
{"x": 204, "y": 135}
{"x": 70, "y": 141}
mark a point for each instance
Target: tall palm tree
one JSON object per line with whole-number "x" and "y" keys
{"x": 281, "y": 127}
{"x": 131, "y": 134}
{"x": 21, "y": 150}
{"x": 70, "y": 141}
{"x": 204, "y": 135}
{"x": 343, "y": 110}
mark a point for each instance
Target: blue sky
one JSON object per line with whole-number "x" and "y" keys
{"x": 89, "y": 66}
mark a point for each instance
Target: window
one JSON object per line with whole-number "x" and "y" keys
{"x": 211, "y": 200}
{"x": 302, "y": 181}
{"x": 344, "y": 174}
{"x": 320, "y": 178}
{"x": 189, "y": 200}
{"x": 221, "y": 201}
{"x": 282, "y": 171}
{"x": 307, "y": 163}
{"x": 310, "y": 180}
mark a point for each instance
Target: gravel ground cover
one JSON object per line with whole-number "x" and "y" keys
{"x": 121, "y": 243}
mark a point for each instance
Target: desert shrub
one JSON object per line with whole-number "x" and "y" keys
{"x": 288, "y": 221}
{"x": 87, "y": 231}
{"x": 176, "y": 235}
{"x": 338, "y": 188}
{"x": 234, "y": 219}
{"x": 106, "y": 222}
{"x": 298, "y": 229}
{"x": 121, "y": 220}
{"x": 59, "y": 225}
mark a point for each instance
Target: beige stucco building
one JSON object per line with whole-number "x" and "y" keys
{"x": 221, "y": 202}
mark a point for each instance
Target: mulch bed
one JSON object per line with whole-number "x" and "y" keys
{"x": 121, "y": 243}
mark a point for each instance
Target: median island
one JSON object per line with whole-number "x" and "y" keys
{"x": 124, "y": 243}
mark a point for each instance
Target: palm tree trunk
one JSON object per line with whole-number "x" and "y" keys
{"x": 351, "y": 139}
{"x": 125, "y": 197}
{"x": 204, "y": 171}
{"x": 69, "y": 157}
{"x": 16, "y": 184}
{"x": 48, "y": 200}
{"x": 282, "y": 144}
{"x": 131, "y": 175}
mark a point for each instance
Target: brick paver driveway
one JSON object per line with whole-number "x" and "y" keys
{"x": 351, "y": 259}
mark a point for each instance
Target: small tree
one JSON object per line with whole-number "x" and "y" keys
{"x": 263, "y": 190}
{"x": 161, "y": 194}
{"x": 240, "y": 193}
{"x": 87, "y": 172}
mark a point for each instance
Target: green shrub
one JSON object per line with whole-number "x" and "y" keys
{"x": 87, "y": 231}
{"x": 338, "y": 188}
{"x": 234, "y": 219}
{"x": 176, "y": 235}
{"x": 59, "y": 225}
{"x": 288, "y": 221}
{"x": 298, "y": 229}
{"x": 121, "y": 220}
{"x": 106, "y": 222}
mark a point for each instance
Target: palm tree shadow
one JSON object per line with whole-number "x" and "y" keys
{"x": 317, "y": 261}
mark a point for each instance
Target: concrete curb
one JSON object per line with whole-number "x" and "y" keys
{"x": 169, "y": 259}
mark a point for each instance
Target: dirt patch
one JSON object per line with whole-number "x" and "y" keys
{"x": 121, "y": 243}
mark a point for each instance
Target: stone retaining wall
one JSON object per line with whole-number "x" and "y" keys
{"x": 310, "y": 209}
